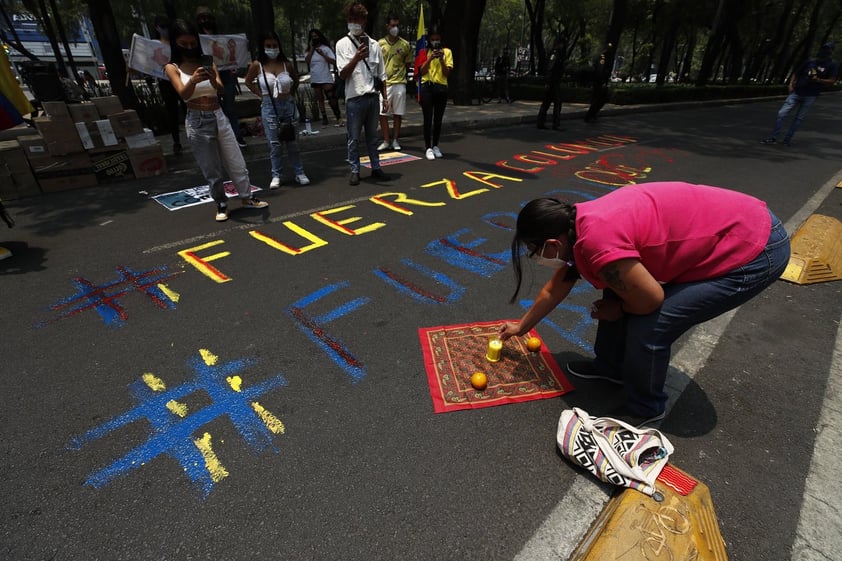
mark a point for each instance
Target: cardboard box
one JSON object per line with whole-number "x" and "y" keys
{"x": 106, "y": 133}
{"x": 16, "y": 178}
{"x": 56, "y": 109}
{"x": 60, "y": 135}
{"x": 148, "y": 161}
{"x": 107, "y": 105}
{"x": 126, "y": 123}
{"x": 61, "y": 166}
{"x": 83, "y": 112}
{"x": 146, "y": 138}
{"x": 55, "y": 184}
{"x": 111, "y": 165}
{"x": 34, "y": 146}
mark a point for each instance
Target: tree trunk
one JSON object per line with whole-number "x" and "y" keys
{"x": 63, "y": 35}
{"x": 263, "y": 17}
{"x": 460, "y": 31}
{"x": 105, "y": 29}
{"x": 51, "y": 36}
{"x": 715, "y": 41}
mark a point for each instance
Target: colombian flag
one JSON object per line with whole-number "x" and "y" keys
{"x": 13, "y": 102}
{"x": 420, "y": 51}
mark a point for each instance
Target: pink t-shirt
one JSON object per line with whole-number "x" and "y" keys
{"x": 679, "y": 231}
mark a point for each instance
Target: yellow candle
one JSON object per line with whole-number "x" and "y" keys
{"x": 495, "y": 348}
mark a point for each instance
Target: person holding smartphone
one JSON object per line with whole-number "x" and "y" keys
{"x": 360, "y": 63}
{"x": 319, "y": 58}
{"x": 434, "y": 71}
{"x": 197, "y": 82}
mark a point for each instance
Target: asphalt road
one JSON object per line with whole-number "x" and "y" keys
{"x": 122, "y": 321}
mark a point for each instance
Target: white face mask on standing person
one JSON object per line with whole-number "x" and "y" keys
{"x": 355, "y": 29}
{"x": 272, "y": 53}
{"x": 393, "y": 31}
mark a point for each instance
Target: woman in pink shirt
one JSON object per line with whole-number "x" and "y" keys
{"x": 668, "y": 256}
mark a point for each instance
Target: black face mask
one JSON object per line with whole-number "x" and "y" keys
{"x": 194, "y": 53}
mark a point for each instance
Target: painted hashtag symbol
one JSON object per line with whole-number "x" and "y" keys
{"x": 173, "y": 428}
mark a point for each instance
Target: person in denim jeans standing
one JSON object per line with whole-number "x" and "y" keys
{"x": 272, "y": 67}
{"x": 668, "y": 256}
{"x": 360, "y": 64}
{"x": 208, "y": 129}
{"x": 805, "y": 84}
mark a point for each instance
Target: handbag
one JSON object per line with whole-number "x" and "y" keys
{"x": 614, "y": 451}
{"x": 286, "y": 131}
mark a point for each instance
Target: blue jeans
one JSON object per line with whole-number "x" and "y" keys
{"x": 637, "y": 348}
{"x": 286, "y": 112}
{"x": 804, "y": 102}
{"x": 362, "y": 111}
{"x": 215, "y": 149}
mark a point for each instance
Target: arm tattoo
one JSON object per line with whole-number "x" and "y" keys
{"x": 612, "y": 277}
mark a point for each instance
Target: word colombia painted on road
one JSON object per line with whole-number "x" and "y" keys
{"x": 173, "y": 428}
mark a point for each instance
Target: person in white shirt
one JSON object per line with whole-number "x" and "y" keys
{"x": 360, "y": 64}
{"x": 320, "y": 58}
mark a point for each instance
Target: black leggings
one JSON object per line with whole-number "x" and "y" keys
{"x": 433, "y": 103}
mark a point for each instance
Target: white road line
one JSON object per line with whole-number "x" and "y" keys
{"x": 564, "y": 528}
{"x": 819, "y": 534}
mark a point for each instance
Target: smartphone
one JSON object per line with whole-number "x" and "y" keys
{"x": 207, "y": 63}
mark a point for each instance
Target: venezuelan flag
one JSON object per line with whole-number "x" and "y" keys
{"x": 420, "y": 50}
{"x": 13, "y": 102}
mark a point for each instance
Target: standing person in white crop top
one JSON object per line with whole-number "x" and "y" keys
{"x": 272, "y": 67}
{"x": 208, "y": 129}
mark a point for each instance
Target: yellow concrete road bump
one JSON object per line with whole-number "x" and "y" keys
{"x": 816, "y": 251}
{"x": 636, "y": 527}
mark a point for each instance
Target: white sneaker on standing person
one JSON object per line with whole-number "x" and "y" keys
{"x": 397, "y": 57}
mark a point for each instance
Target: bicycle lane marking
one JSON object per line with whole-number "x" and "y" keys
{"x": 565, "y": 526}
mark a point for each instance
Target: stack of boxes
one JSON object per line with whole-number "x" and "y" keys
{"x": 79, "y": 145}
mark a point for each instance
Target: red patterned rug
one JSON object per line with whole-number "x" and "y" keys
{"x": 453, "y": 353}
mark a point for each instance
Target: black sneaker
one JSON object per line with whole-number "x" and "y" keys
{"x": 586, "y": 370}
{"x": 769, "y": 140}
{"x": 354, "y": 179}
{"x": 380, "y": 174}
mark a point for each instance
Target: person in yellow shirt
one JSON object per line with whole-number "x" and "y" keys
{"x": 397, "y": 56}
{"x": 435, "y": 69}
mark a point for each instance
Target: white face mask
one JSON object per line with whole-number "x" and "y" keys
{"x": 355, "y": 29}
{"x": 272, "y": 53}
{"x": 552, "y": 262}
{"x": 393, "y": 31}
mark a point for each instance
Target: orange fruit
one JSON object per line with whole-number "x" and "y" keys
{"x": 533, "y": 344}
{"x": 479, "y": 381}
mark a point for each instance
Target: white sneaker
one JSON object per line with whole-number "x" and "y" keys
{"x": 436, "y": 152}
{"x": 221, "y": 213}
{"x": 396, "y": 145}
{"x": 276, "y": 183}
{"x": 429, "y": 154}
{"x": 383, "y": 146}
{"x": 302, "y": 179}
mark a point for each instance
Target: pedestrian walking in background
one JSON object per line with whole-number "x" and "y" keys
{"x": 273, "y": 78}
{"x": 668, "y": 256}
{"x": 434, "y": 69}
{"x": 360, "y": 64}
{"x": 208, "y": 129}
{"x": 320, "y": 58}
{"x": 397, "y": 57}
{"x": 552, "y": 91}
{"x": 172, "y": 102}
{"x": 805, "y": 85}
{"x": 599, "y": 84}
{"x": 206, "y": 22}
{"x": 502, "y": 66}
